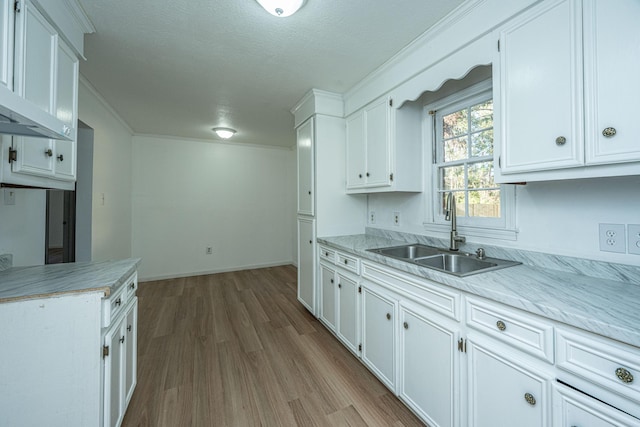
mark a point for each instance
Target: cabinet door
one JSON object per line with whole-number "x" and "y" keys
{"x": 574, "y": 409}
{"x": 305, "y": 147}
{"x": 379, "y": 335}
{"x": 113, "y": 381}
{"x": 540, "y": 89}
{"x": 377, "y": 132}
{"x": 428, "y": 366}
{"x": 6, "y": 43}
{"x": 503, "y": 390}
{"x": 66, "y": 111}
{"x": 306, "y": 264}
{"x": 131, "y": 353}
{"x": 356, "y": 152}
{"x": 612, "y": 62}
{"x": 348, "y": 312}
{"x": 328, "y": 296}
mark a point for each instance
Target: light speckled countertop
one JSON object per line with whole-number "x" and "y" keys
{"x": 45, "y": 281}
{"x": 607, "y": 307}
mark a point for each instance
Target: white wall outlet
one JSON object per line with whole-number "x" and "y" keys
{"x": 612, "y": 238}
{"x": 372, "y": 217}
{"x": 209, "y": 250}
{"x": 633, "y": 238}
{"x": 9, "y": 196}
{"x": 396, "y": 218}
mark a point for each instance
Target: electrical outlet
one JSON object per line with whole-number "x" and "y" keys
{"x": 209, "y": 250}
{"x": 612, "y": 238}
{"x": 633, "y": 238}
{"x": 9, "y": 196}
{"x": 396, "y": 218}
{"x": 372, "y": 217}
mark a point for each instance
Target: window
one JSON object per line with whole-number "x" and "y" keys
{"x": 462, "y": 161}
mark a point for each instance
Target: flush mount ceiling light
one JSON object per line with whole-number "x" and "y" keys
{"x": 224, "y": 133}
{"x": 281, "y": 8}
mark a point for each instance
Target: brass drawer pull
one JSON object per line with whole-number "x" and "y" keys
{"x": 406, "y": 325}
{"x": 388, "y": 316}
{"x": 501, "y": 325}
{"x": 530, "y": 399}
{"x": 609, "y": 132}
{"x": 624, "y": 375}
{"x": 561, "y": 140}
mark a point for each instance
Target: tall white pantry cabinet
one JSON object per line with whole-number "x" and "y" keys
{"x": 323, "y": 208}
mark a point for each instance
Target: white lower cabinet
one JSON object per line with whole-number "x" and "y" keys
{"x": 328, "y": 296}
{"x": 120, "y": 362}
{"x": 574, "y": 409}
{"x": 379, "y": 325}
{"x": 306, "y": 263}
{"x": 348, "y": 303}
{"x": 459, "y": 360}
{"x": 504, "y": 388}
{"x": 429, "y": 365}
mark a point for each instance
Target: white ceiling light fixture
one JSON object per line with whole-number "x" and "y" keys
{"x": 281, "y": 8}
{"x": 224, "y": 133}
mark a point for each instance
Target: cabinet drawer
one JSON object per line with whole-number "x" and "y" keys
{"x": 131, "y": 285}
{"x": 605, "y": 362}
{"x": 348, "y": 262}
{"x": 113, "y": 305}
{"x": 438, "y": 298}
{"x": 327, "y": 254}
{"x": 513, "y": 327}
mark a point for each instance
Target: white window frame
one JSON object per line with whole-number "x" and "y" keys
{"x": 503, "y": 228}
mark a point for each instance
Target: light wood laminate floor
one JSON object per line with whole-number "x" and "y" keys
{"x": 238, "y": 349}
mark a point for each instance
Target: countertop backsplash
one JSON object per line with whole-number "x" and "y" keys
{"x": 6, "y": 261}
{"x": 585, "y": 267}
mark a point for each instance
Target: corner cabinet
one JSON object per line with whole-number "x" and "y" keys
{"x": 560, "y": 111}
{"x": 384, "y": 148}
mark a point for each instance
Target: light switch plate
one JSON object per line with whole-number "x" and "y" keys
{"x": 633, "y": 238}
{"x": 612, "y": 238}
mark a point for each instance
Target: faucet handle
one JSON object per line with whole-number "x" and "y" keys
{"x": 480, "y": 254}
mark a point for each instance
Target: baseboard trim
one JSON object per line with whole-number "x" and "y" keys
{"x": 142, "y": 279}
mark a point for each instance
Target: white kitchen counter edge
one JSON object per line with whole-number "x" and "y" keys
{"x": 605, "y": 307}
{"x": 44, "y": 281}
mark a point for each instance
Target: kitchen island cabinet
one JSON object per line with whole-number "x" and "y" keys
{"x": 62, "y": 343}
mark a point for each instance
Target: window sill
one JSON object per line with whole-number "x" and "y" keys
{"x": 467, "y": 231}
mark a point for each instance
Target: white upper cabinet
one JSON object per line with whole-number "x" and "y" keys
{"x": 540, "y": 89}
{"x": 384, "y": 148}
{"x": 6, "y": 43}
{"x": 612, "y": 62}
{"x": 306, "y": 173}
{"x": 564, "y": 86}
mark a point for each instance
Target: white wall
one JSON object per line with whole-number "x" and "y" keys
{"x": 188, "y": 194}
{"x": 111, "y": 216}
{"x": 559, "y": 217}
{"x": 22, "y": 226}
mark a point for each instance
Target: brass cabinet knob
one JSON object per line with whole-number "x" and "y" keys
{"x": 359, "y": 175}
{"x": 48, "y": 152}
{"x": 406, "y": 325}
{"x": 624, "y": 375}
{"x": 561, "y": 140}
{"x": 530, "y": 399}
{"x": 388, "y": 316}
{"x": 501, "y": 325}
{"x": 609, "y": 132}
{"x": 367, "y": 173}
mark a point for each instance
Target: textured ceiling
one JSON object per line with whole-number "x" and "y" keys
{"x": 181, "y": 67}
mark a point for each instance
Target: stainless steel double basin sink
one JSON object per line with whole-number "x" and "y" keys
{"x": 453, "y": 262}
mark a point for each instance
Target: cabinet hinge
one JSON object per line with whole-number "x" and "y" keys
{"x": 105, "y": 351}
{"x": 391, "y": 103}
{"x": 499, "y": 161}
{"x": 498, "y": 45}
{"x": 391, "y": 177}
{"x": 16, "y": 6}
{"x": 359, "y": 289}
{"x": 359, "y": 347}
{"x": 13, "y": 155}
